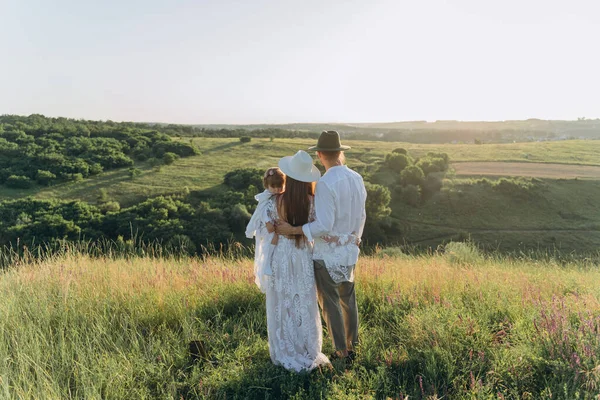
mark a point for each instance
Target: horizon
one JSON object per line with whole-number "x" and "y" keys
{"x": 232, "y": 63}
{"x": 350, "y": 123}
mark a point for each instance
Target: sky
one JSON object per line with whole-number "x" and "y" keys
{"x": 282, "y": 61}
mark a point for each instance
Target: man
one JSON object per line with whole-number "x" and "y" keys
{"x": 340, "y": 218}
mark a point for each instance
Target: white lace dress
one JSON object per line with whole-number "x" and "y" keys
{"x": 293, "y": 319}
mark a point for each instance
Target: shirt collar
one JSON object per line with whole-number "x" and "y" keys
{"x": 336, "y": 168}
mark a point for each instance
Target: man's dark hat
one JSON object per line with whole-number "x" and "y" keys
{"x": 329, "y": 141}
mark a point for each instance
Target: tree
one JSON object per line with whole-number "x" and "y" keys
{"x": 67, "y": 148}
{"x": 18, "y": 182}
{"x": 412, "y": 175}
{"x": 169, "y": 158}
{"x": 439, "y": 155}
{"x": 133, "y": 172}
{"x": 378, "y": 200}
{"x": 396, "y": 162}
{"x": 378, "y": 211}
{"x": 432, "y": 164}
{"x": 238, "y": 217}
{"x": 241, "y": 179}
{"x": 411, "y": 195}
{"x": 96, "y": 169}
{"x": 431, "y": 185}
{"x": 44, "y": 177}
{"x": 110, "y": 206}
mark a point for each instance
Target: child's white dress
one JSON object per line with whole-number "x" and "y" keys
{"x": 257, "y": 227}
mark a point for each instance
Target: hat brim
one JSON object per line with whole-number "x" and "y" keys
{"x": 313, "y": 176}
{"x": 341, "y": 148}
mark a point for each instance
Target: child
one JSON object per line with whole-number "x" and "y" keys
{"x": 261, "y": 227}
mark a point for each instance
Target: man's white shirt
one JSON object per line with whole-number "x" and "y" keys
{"x": 340, "y": 211}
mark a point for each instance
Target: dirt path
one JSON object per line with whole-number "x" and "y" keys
{"x": 538, "y": 170}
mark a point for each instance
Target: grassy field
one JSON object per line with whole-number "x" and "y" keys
{"x": 454, "y": 326}
{"x": 558, "y": 214}
{"x": 537, "y": 170}
{"x": 552, "y": 214}
{"x": 222, "y": 155}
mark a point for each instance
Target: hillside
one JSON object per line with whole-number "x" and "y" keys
{"x": 445, "y": 131}
{"x": 221, "y": 155}
{"x": 545, "y": 215}
{"x": 453, "y": 325}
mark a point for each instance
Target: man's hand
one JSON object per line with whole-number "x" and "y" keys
{"x": 283, "y": 228}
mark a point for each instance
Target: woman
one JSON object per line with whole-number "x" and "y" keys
{"x": 293, "y": 319}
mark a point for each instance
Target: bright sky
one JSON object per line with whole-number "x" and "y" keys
{"x": 277, "y": 61}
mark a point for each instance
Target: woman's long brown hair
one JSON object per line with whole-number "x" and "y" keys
{"x": 294, "y": 204}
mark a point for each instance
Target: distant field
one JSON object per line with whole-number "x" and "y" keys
{"x": 222, "y": 155}
{"x": 538, "y": 170}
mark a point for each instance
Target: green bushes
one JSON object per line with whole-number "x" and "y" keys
{"x": 430, "y": 186}
{"x": 412, "y": 175}
{"x": 169, "y": 158}
{"x": 396, "y": 162}
{"x": 70, "y": 150}
{"x": 133, "y": 172}
{"x": 245, "y": 139}
{"x": 517, "y": 188}
{"x": 180, "y": 244}
{"x": 242, "y": 179}
{"x": 432, "y": 164}
{"x": 378, "y": 200}
{"x": 514, "y": 187}
{"x": 411, "y": 195}
{"x": 160, "y": 219}
{"x": 109, "y": 206}
{"x": 377, "y": 212}
{"x": 18, "y": 182}
{"x": 463, "y": 253}
{"x": 179, "y": 148}
{"x": 443, "y": 156}
{"x": 45, "y": 177}
{"x": 417, "y": 180}
{"x": 239, "y": 217}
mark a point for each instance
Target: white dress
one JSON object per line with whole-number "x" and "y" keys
{"x": 293, "y": 319}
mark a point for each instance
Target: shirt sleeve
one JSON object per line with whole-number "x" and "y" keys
{"x": 363, "y": 217}
{"x": 325, "y": 213}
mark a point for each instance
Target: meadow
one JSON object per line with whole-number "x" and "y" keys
{"x": 453, "y": 325}
{"x": 221, "y": 155}
{"x": 517, "y": 215}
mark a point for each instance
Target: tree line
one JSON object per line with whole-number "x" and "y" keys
{"x": 46, "y": 151}
{"x": 189, "y": 220}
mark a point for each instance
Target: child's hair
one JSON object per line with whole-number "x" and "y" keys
{"x": 274, "y": 178}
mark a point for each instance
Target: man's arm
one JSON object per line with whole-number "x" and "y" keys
{"x": 324, "y": 213}
{"x": 363, "y": 217}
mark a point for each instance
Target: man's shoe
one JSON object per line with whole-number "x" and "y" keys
{"x": 350, "y": 357}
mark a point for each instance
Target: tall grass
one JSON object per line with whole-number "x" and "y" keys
{"x": 13, "y": 255}
{"x": 450, "y": 325}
